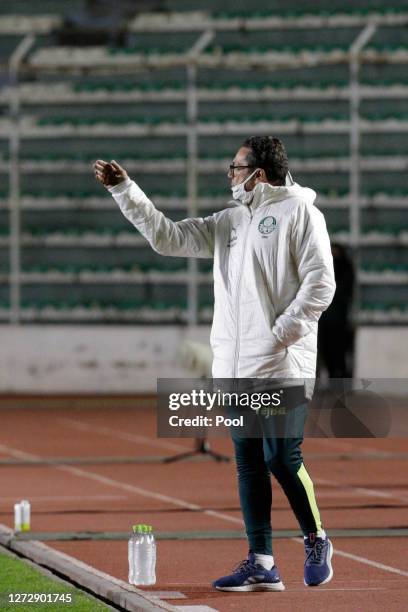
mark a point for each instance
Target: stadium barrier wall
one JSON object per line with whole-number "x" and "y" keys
{"x": 123, "y": 359}
{"x": 86, "y": 359}
{"x": 381, "y": 352}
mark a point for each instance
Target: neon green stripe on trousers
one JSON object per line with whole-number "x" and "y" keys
{"x": 308, "y": 486}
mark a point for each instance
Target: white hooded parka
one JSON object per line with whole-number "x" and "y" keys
{"x": 273, "y": 275}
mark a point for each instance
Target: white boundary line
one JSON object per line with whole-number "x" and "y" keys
{"x": 179, "y": 502}
{"x": 110, "y": 482}
{"x": 348, "y": 446}
{"x": 40, "y": 498}
{"x": 361, "y": 490}
{"x": 375, "y": 564}
{"x": 122, "y": 435}
{"x": 82, "y": 426}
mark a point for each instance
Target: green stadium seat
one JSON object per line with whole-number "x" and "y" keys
{"x": 80, "y": 187}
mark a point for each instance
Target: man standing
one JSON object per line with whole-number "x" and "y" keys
{"x": 273, "y": 277}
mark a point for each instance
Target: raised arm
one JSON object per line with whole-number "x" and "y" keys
{"x": 187, "y": 238}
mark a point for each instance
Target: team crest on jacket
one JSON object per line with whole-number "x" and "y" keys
{"x": 267, "y": 225}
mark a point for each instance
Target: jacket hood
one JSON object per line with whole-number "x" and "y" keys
{"x": 265, "y": 193}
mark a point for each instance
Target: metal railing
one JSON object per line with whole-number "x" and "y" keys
{"x": 192, "y": 61}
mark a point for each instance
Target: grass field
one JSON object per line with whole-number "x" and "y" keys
{"x": 21, "y": 577}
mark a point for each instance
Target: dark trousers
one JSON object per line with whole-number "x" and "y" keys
{"x": 258, "y": 457}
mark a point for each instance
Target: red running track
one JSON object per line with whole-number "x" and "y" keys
{"x": 359, "y": 484}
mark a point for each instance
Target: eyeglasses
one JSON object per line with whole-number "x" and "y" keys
{"x": 232, "y": 168}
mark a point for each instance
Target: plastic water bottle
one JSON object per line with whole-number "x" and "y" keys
{"x": 25, "y": 515}
{"x": 142, "y": 556}
{"x": 131, "y": 554}
{"x": 151, "y": 556}
{"x": 22, "y": 516}
{"x": 141, "y": 567}
{"x": 18, "y": 519}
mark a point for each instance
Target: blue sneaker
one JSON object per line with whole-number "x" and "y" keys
{"x": 318, "y": 568}
{"x": 250, "y": 576}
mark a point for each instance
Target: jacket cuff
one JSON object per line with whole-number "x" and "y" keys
{"x": 121, "y": 187}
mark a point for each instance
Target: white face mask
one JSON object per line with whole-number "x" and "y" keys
{"x": 239, "y": 193}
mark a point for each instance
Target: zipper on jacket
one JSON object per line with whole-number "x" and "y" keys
{"x": 238, "y": 324}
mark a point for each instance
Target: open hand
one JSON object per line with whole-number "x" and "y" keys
{"x": 109, "y": 173}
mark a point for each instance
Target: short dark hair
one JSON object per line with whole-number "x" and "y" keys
{"x": 268, "y": 153}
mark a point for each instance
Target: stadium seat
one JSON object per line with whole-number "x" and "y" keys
{"x": 72, "y": 243}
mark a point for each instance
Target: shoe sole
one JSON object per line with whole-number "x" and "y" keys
{"x": 330, "y": 576}
{"x": 260, "y": 586}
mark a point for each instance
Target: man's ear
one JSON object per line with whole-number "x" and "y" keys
{"x": 261, "y": 176}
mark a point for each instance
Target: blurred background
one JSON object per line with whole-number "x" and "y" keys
{"x": 170, "y": 88}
